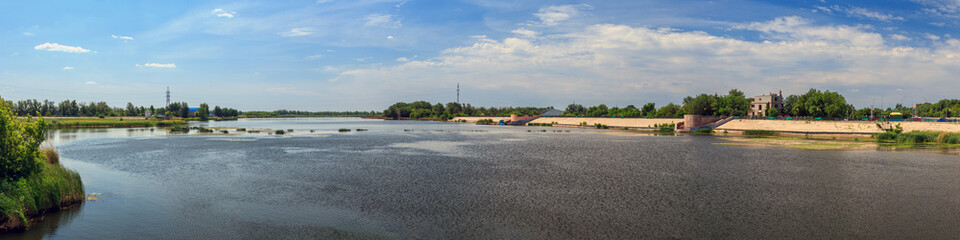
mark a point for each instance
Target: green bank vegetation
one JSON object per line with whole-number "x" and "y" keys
{"x": 666, "y": 127}
{"x": 425, "y": 110}
{"x": 895, "y": 134}
{"x": 71, "y": 108}
{"x": 111, "y": 122}
{"x": 760, "y": 133}
{"x": 289, "y": 113}
{"x": 32, "y": 181}
{"x": 814, "y": 103}
{"x": 485, "y": 121}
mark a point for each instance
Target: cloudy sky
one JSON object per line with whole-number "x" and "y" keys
{"x": 367, "y": 54}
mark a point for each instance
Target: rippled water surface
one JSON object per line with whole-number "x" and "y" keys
{"x": 408, "y": 179}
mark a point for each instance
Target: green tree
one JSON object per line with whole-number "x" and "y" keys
{"x": 648, "y": 109}
{"x": 733, "y": 104}
{"x": 670, "y": 110}
{"x": 203, "y": 112}
{"x": 20, "y": 140}
{"x": 701, "y": 105}
{"x": 574, "y": 110}
{"x": 772, "y": 112}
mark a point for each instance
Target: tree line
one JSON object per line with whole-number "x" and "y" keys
{"x": 425, "y": 110}
{"x": 293, "y": 113}
{"x": 72, "y": 108}
{"x": 814, "y": 103}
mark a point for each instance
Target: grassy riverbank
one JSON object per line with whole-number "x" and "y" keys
{"x": 50, "y": 189}
{"x": 32, "y": 181}
{"x": 111, "y": 122}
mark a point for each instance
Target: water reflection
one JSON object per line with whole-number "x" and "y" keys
{"x": 47, "y": 225}
{"x": 407, "y": 179}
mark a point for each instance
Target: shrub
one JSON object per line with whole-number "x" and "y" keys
{"x": 344, "y": 130}
{"x": 703, "y": 131}
{"x": 759, "y": 132}
{"x": 20, "y": 154}
{"x": 279, "y": 132}
{"x": 665, "y": 128}
{"x": 485, "y": 121}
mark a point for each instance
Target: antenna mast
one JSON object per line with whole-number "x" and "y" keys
{"x": 168, "y": 96}
{"x": 458, "y": 93}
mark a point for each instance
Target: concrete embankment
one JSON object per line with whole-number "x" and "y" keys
{"x": 832, "y": 127}
{"x": 635, "y": 123}
{"x": 803, "y": 126}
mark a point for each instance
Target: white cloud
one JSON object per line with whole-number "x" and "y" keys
{"x": 899, "y": 37}
{"x": 525, "y": 32}
{"x": 403, "y": 59}
{"x": 313, "y": 57}
{"x": 323, "y": 1}
{"x": 860, "y": 13}
{"x": 223, "y": 13}
{"x": 608, "y": 62}
{"x": 54, "y": 47}
{"x": 553, "y": 15}
{"x": 158, "y": 65}
{"x": 382, "y": 20}
{"x": 121, "y": 37}
{"x": 28, "y": 34}
{"x": 938, "y": 24}
{"x": 299, "y": 32}
{"x": 932, "y": 37}
{"x": 90, "y": 83}
{"x": 390, "y": 37}
{"x": 946, "y": 8}
{"x": 67, "y": 68}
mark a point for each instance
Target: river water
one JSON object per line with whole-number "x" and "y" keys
{"x": 412, "y": 179}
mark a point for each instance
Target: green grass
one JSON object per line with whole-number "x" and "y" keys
{"x": 111, "y": 122}
{"x": 760, "y": 132}
{"x": 703, "y": 131}
{"x": 485, "y": 121}
{"x": 919, "y": 137}
{"x": 49, "y": 190}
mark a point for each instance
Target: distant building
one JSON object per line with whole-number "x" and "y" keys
{"x": 761, "y": 104}
{"x": 193, "y": 112}
{"x": 551, "y": 113}
{"x": 148, "y": 113}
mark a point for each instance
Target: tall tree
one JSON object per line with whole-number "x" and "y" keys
{"x": 203, "y": 112}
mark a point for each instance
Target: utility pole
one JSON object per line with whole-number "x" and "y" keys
{"x": 168, "y": 95}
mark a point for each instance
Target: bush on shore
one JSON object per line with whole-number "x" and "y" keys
{"x": 485, "y": 121}
{"x": 919, "y": 137}
{"x": 32, "y": 181}
{"x": 759, "y": 132}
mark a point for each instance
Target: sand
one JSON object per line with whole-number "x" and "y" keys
{"x": 928, "y": 126}
{"x": 789, "y": 126}
{"x": 862, "y": 127}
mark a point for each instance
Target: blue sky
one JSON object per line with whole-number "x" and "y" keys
{"x": 367, "y": 54}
